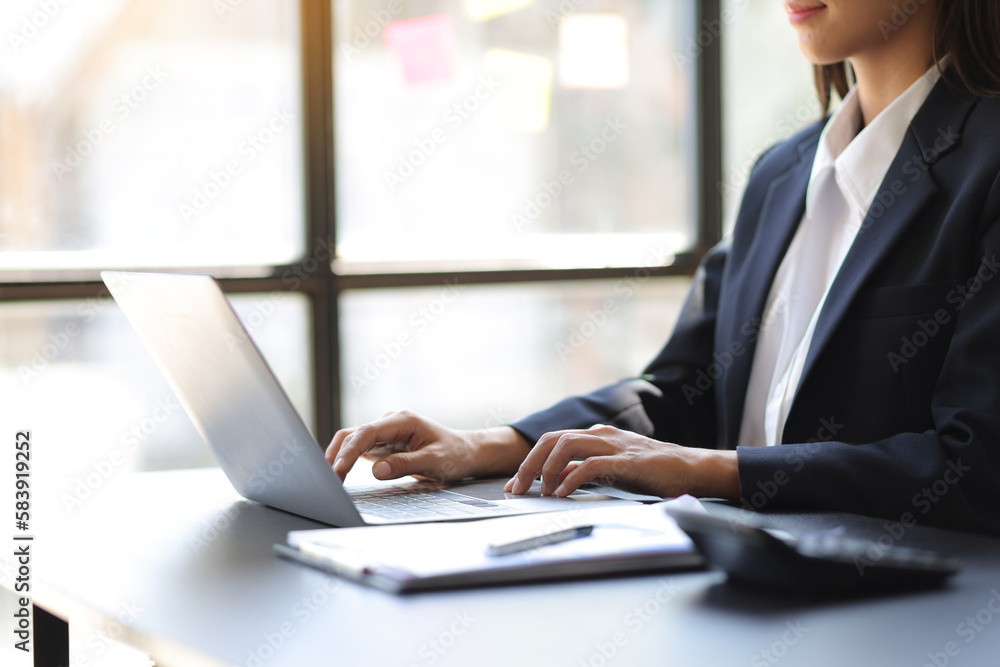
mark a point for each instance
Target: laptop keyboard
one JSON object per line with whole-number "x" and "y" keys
{"x": 402, "y": 503}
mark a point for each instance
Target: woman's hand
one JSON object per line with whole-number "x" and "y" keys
{"x": 613, "y": 457}
{"x": 403, "y": 443}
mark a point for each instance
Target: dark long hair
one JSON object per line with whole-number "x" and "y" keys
{"x": 966, "y": 30}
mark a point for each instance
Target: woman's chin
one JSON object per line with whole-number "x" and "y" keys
{"x": 816, "y": 54}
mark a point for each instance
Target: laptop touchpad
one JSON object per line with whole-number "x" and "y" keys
{"x": 492, "y": 489}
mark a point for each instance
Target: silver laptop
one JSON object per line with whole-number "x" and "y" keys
{"x": 259, "y": 440}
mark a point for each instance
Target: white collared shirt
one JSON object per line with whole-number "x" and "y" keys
{"x": 848, "y": 169}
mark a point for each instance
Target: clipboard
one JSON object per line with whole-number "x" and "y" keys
{"x": 433, "y": 556}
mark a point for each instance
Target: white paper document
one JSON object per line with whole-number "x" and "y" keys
{"x": 624, "y": 539}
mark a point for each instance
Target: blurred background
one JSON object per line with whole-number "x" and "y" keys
{"x": 468, "y": 208}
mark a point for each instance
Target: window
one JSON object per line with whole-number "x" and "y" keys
{"x": 141, "y": 135}
{"x": 485, "y": 134}
{"x": 482, "y": 356}
{"x": 504, "y": 142}
{"x": 467, "y": 207}
{"x": 767, "y": 97}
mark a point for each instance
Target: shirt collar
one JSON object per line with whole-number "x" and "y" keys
{"x": 861, "y": 159}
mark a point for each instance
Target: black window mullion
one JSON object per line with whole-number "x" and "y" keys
{"x": 707, "y": 29}
{"x": 319, "y": 91}
{"x": 320, "y": 198}
{"x": 317, "y": 279}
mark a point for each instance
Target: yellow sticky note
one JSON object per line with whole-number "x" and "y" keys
{"x": 484, "y": 10}
{"x": 593, "y": 51}
{"x": 524, "y": 89}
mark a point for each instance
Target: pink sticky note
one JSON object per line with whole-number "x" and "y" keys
{"x": 427, "y": 47}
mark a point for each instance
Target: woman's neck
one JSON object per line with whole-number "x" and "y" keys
{"x": 884, "y": 73}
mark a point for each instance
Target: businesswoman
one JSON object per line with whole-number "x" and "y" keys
{"x": 841, "y": 350}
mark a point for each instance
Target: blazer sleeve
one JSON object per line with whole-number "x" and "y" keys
{"x": 660, "y": 403}
{"x": 948, "y": 475}
{"x": 671, "y": 401}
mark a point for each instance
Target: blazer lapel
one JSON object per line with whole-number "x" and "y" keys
{"x": 781, "y": 213}
{"x": 935, "y": 131}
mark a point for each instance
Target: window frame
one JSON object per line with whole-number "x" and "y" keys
{"x": 323, "y": 286}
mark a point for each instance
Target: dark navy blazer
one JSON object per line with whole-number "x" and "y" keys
{"x": 897, "y": 413}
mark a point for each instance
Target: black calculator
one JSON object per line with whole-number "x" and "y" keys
{"x": 739, "y": 542}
